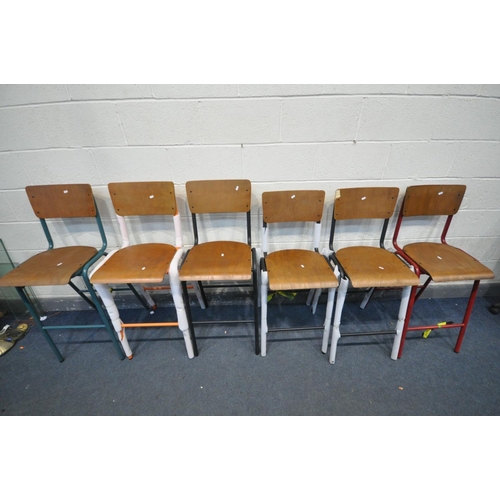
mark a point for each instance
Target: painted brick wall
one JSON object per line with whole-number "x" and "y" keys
{"x": 278, "y": 136}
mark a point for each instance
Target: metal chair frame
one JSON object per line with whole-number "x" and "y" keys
{"x": 290, "y": 213}
{"x": 82, "y": 272}
{"x": 360, "y": 197}
{"x": 416, "y": 292}
{"x": 200, "y": 286}
{"x": 143, "y": 199}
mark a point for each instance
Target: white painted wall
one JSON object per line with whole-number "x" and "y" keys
{"x": 278, "y": 136}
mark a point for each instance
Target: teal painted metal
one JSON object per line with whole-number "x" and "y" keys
{"x": 83, "y": 273}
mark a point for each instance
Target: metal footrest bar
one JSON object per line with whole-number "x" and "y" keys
{"x": 72, "y": 327}
{"x": 147, "y": 325}
{"x": 223, "y": 322}
{"x": 435, "y": 327}
{"x": 301, "y": 328}
{"x": 362, "y": 334}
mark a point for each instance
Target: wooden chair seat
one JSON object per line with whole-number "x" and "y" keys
{"x": 218, "y": 260}
{"x": 447, "y": 263}
{"x": 299, "y": 270}
{"x": 371, "y": 267}
{"x": 143, "y": 263}
{"x": 52, "y": 267}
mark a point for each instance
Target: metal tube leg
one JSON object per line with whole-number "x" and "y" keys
{"x": 310, "y": 296}
{"x": 367, "y": 298}
{"x": 144, "y": 298}
{"x": 344, "y": 282}
{"x": 258, "y": 256}
{"x": 101, "y": 312}
{"x": 147, "y": 297}
{"x": 82, "y": 295}
{"x": 198, "y": 285}
{"x": 468, "y": 312}
{"x": 199, "y": 295}
{"x": 38, "y": 323}
{"x": 255, "y": 295}
{"x": 328, "y": 318}
{"x": 411, "y": 303}
{"x": 263, "y": 312}
{"x": 405, "y": 297}
{"x": 182, "y": 319}
{"x": 114, "y": 316}
{"x": 185, "y": 297}
{"x": 315, "y": 300}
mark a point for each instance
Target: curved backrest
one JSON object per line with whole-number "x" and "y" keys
{"x": 293, "y": 206}
{"x": 434, "y": 199}
{"x": 62, "y": 200}
{"x": 219, "y": 196}
{"x": 365, "y": 203}
{"x": 143, "y": 198}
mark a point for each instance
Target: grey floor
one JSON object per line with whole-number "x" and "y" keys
{"x": 227, "y": 378}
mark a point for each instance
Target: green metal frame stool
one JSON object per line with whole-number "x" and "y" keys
{"x": 59, "y": 266}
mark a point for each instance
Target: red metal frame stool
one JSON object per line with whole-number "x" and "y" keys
{"x": 439, "y": 261}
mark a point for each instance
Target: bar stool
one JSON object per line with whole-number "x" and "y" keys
{"x": 441, "y": 262}
{"x": 59, "y": 266}
{"x": 294, "y": 269}
{"x": 143, "y": 263}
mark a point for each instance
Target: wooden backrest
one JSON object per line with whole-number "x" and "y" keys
{"x": 219, "y": 196}
{"x": 62, "y": 200}
{"x": 293, "y": 206}
{"x": 143, "y": 198}
{"x": 435, "y": 199}
{"x": 365, "y": 203}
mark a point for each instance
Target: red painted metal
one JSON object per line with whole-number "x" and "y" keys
{"x": 468, "y": 312}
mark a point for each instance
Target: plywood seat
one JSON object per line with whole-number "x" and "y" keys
{"x": 218, "y": 260}
{"x": 370, "y": 267}
{"x": 445, "y": 263}
{"x": 143, "y": 263}
{"x": 50, "y": 268}
{"x": 299, "y": 270}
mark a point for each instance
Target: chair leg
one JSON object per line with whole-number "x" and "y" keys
{"x": 180, "y": 308}
{"x": 468, "y": 312}
{"x": 114, "y": 316}
{"x": 411, "y": 303}
{"x": 328, "y": 318}
{"x": 38, "y": 323}
{"x": 367, "y": 298}
{"x": 145, "y": 299}
{"x": 403, "y": 307}
{"x": 102, "y": 314}
{"x": 344, "y": 283}
{"x": 185, "y": 296}
{"x": 263, "y": 312}
{"x": 310, "y": 296}
{"x": 82, "y": 295}
{"x": 255, "y": 294}
{"x": 315, "y": 299}
{"x": 200, "y": 294}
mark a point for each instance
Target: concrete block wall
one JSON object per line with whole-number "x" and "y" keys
{"x": 278, "y": 136}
